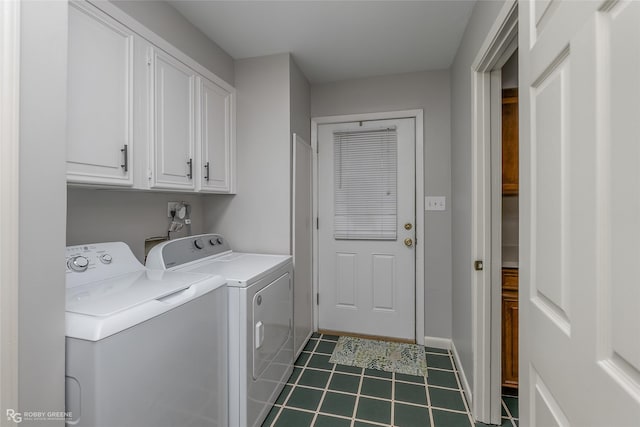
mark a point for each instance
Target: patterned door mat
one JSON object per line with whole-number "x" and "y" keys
{"x": 382, "y": 355}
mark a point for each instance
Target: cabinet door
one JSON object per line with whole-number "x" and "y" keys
{"x": 100, "y": 61}
{"x": 510, "y": 328}
{"x": 510, "y": 141}
{"x": 174, "y": 124}
{"x": 215, "y": 127}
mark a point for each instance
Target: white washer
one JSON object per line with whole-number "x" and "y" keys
{"x": 260, "y": 317}
{"x": 143, "y": 348}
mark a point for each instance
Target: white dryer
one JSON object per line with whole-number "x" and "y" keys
{"x": 143, "y": 348}
{"x": 260, "y": 317}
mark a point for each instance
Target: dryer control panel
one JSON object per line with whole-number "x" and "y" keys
{"x": 177, "y": 252}
{"x": 99, "y": 261}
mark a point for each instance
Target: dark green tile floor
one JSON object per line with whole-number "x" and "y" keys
{"x": 322, "y": 394}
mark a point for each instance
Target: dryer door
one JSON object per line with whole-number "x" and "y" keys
{"x": 272, "y": 318}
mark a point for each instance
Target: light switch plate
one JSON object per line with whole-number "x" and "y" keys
{"x": 435, "y": 203}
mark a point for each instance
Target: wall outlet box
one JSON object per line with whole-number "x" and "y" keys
{"x": 435, "y": 203}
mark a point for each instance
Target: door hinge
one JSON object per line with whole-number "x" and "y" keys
{"x": 317, "y": 223}
{"x": 478, "y": 265}
{"x": 318, "y": 298}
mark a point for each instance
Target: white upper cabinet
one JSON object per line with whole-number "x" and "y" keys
{"x": 141, "y": 113}
{"x": 216, "y": 156}
{"x": 100, "y": 97}
{"x": 173, "y": 105}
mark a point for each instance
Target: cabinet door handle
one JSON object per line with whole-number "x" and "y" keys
{"x": 206, "y": 167}
{"x": 125, "y": 152}
{"x": 190, "y": 174}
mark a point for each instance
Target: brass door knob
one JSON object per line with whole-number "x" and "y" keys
{"x": 408, "y": 226}
{"x": 408, "y": 242}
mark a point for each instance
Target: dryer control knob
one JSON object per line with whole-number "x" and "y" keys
{"x": 198, "y": 243}
{"x": 106, "y": 258}
{"x": 219, "y": 240}
{"x": 213, "y": 242}
{"x": 78, "y": 263}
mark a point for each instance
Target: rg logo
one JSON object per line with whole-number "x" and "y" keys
{"x": 14, "y": 416}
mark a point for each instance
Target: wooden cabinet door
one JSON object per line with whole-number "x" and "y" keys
{"x": 510, "y": 328}
{"x": 215, "y": 167}
{"x": 100, "y": 98}
{"x": 174, "y": 123}
{"x": 510, "y": 141}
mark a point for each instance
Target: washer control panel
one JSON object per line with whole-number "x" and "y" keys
{"x": 98, "y": 261}
{"x": 187, "y": 249}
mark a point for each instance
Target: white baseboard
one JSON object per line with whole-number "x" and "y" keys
{"x": 436, "y": 342}
{"x": 463, "y": 377}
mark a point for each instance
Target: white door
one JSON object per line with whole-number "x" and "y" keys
{"x": 580, "y": 213}
{"x": 366, "y": 207}
{"x": 100, "y": 98}
{"x": 302, "y": 242}
{"x": 174, "y": 123}
{"x": 214, "y": 114}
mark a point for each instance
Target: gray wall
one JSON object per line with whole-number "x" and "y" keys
{"x": 300, "y": 102}
{"x": 43, "y": 92}
{"x": 482, "y": 18}
{"x": 510, "y": 72}
{"x": 428, "y": 90}
{"x": 258, "y": 218}
{"x": 128, "y": 216}
{"x": 164, "y": 20}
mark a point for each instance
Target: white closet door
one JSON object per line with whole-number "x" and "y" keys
{"x": 579, "y": 210}
{"x": 174, "y": 123}
{"x": 215, "y": 138}
{"x": 100, "y": 97}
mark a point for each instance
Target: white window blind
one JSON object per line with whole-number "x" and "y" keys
{"x": 365, "y": 184}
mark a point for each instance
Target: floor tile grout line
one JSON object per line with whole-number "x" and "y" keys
{"x": 426, "y": 386}
{"x": 324, "y": 393}
{"x": 355, "y": 406}
{"x": 393, "y": 403}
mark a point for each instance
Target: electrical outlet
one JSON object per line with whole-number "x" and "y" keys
{"x": 171, "y": 206}
{"x": 433, "y": 203}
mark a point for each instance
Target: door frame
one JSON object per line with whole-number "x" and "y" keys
{"x": 9, "y": 192}
{"x": 416, "y": 114}
{"x": 498, "y": 46}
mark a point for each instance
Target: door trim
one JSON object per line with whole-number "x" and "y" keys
{"x": 9, "y": 192}
{"x": 419, "y": 213}
{"x": 496, "y": 49}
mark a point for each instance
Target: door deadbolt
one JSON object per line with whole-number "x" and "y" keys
{"x": 408, "y": 226}
{"x": 408, "y": 242}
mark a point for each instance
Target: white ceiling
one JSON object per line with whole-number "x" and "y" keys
{"x": 337, "y": 40}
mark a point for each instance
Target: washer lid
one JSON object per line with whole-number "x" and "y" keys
{"x": 104, "y": 308}
{"x": 111, "y": 296}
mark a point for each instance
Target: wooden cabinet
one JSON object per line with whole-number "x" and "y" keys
{"x": 174, "y": 126}
{"x": 215, "y": 126}
{"x": 510, "y": 327}
{"x": 510, "y": 141}
{"x": 99, "y": 98}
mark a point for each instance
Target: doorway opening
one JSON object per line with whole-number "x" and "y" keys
{"x": 344, "y": 241}
{"x": 487, "y": 290}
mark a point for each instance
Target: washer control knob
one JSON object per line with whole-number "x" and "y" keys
{"x": 78, "y": 263}
{"x": 213, "y": 242}
{"x": 219, "y": 240}
{"x": 198, "y": 243}
{"x": 106, "y": 258}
